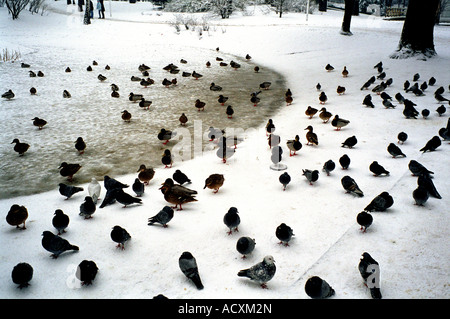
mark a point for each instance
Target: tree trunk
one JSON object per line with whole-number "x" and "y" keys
{"x": 417, "y": 34}
{"x": 87, "y": 14}
{"x": 349, "y": 4}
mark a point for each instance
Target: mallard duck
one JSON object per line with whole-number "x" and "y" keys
{"x": 229, "y": 111}
{"x": 255, "y": 99}
{"x": 68, "y": 170}
{"x": 222, "y": 99}
{"x": 68, "y": 70}
{"x": 24, "y": 65}
{"x": 219, "y": 59}
{"x": 318, "y": 86}
{"x": 223, "y": 64}
{"x": 256, "y": 69}
{"x": 167, "y": 159}
{"x": 329, "y": 67}
{"x": 214, "y": 181}
{"x": 311, "y": 137}
{"x": 196, "y": 75}
{"x": 294, "y": 145}
{"x": 107, "y": 67}
{"x": 146, "y": 82}
{"x": 80, "y": 145}
{"x": 183, "y": 61}
{"x": 325, "y": 115}
{"x": 270, "y": 127}
{"x": 166, "y": 83}
{"x": 322, "y": 97}
{"x": 20, "y": 148}
{"x": 345, "y": 72}
{"x": 186, "y": 74}
{"x": 143, "y": 67}
{"x": 310, "y": 111}
{"x": 33, "y": 91}
{"x": 289, "y": 100}
{"x": 165, "y": 135}
{"x": 135, "y": 97}
{"x": 17, "y": 215}
{"x": 94, "y": 62}
{"x": 288, "y": 93}
{"x": 8, "y": 95}
{"x": 200, "y": 105}
{"x": 40, "y": 123}
{"x": 339, "y": 123}
{"x": 234, "y": 65}
{"x": 215, "y": 87}
{"x": 145, "y": 104}
{"x": 177, "y": 194}
{"x": 135, "y": 78}
{"x": 340, "y": 90}
{"x": 32, "y": 74}
{"x": 208, "y": 64}
{"x": 66, "y": 94}
{"x": 174, "y": 81}
{"x": 248, "y": 57}
{"x": 89, "y": 68}
{"x": 40, "y": 74}
{"x": 126, "y": 116}
{"x": 170, "y": 67}
{"x": 183, "y": 119}
{"x": 265, "y": 85}
{"x": 115, "y": 94}
{"x": 145, "y": 174}
{"x": 101, "y": 77}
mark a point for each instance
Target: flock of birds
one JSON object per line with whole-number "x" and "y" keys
{"x": 176, "y": 193}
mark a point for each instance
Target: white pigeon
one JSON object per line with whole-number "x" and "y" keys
{"x": 94, "y": 190}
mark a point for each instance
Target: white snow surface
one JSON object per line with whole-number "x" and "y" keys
{"x": 409, "y": 242}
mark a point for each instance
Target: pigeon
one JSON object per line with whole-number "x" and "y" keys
{"x": 318, "y": 86}
{"x": 17, "y": 215}
{"x": 87, "y": 208}
{"x": 181, "y": 178}
{"x": 380, "y": 203}
{"x": 439, "y": 90}
{"x": 311, "y": 175}
{"x": 432, "y": 144}
{"x": 432, "y": 81}
{"x": 379, "y": 88}
{"x": 68, "y": 190}
{"x": 22, "y": 274}
{"x": 389, "y": 81}
{"x": 388, "y": 104}
{"x": 364, "y": 219}
{"x": 80, "y": 145}
{"x": 424, "y": 86}
{"x": 366, "y": 85}
{"x": 138, "y": 187}
{"x": 60, "y": 221}
{"x": 111, "y": 183}
{"x": 416, "y": 77}
{"x": 441, "y": 110}
{"x": 66, "y": 94}
{"x": 189, "y": 268}
{"x": 381, "y": 76}
{"x": 232, "y": 220}
{"x": 444, "y": 133}
{"x": 350, "y": 142}
{"x": 378, "y": 65}
{"x": 284, "y": 179}
{"x": 426, "y": 181}
{"x": 8, "y": 95}
{"x": 261, "y": 272}
{"x": 413, "y": 88}
{"x": 402, "y": 137}
{"x": 385, "y": 96}
{"x": 395, "y": 151}
{"x": 350, "y": 186}
{"x": 399, "y": 97}
{"x": 86, "y": 272}
{"x": 55, "y": 244}
{"x": 329, "y": 166}
{"x": 120, "y": 236}
{"x": 425, "y": 113}
{"x": 377, "y": 169}
{"x": 125, "y": 199}
{"x": 317, "y": 288}
{"x": 94, "y": 189}
{"x": 420, "y": 195}
{"x": 284, "y": 233}
{"x": 344, "y": 160}
{"x": 245, "y": 245}
{"x": 370, "y": 272}
{"x": 418, "y": 169}
{"x": 440, "y": 98}
{"x": 163, "y": 217}
{"x": 406, "y": 85}
{"x": 368, "y": 101}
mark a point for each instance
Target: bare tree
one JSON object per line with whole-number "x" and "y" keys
{"x": 417, "y": 35}
{"x": 87, "y": 13}
{"x": 15, "y": 7}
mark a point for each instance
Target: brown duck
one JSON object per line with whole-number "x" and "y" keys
{"x": 20, "y": 148}
{"x": 311, "y": 137}
{"x": 68, "y": 170}
{"x": 310, "y": 111}
{"x": 200, "y": 105}
{"x": 183, "y": 119}
{"x": 176, "y": 194}
{"x": 325, "y": 115}
{"x": 40, "y": 123}
{"x": 126, "y": 116}
{"x": 145, "y": 174}
{"x": 17, "y": 216}
{"x": 214, "y": 181}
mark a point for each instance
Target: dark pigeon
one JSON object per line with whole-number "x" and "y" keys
{"x": 284, "y": 233}
{"x": 420, "y": 195}
{"x": 21, "y": 274}
{"x": 262, "y": 272}
{"x": 402, "y": 137}
{"x": 284, "y": 179}
{"x": 60, "y": 221}
{"x": 86, "y": 272}
{"x": 180, "y": 177}
{"x": 311, "y": 175}
{"x": 120, "y": 236}
{"x": 425, "y": 181}
{"x": 395, "y": 151}
{"x": 245, "y": 245}
{"x": 369, "y": 270}
{"x": 111, "y": 183}
{"x": 55, "y": 244}
{"x": 138, "y": 187}
{"x": 125, "y": 198}
{"x": 189, "y": 268}
{"x": 350, "y": 186}
{"x": 317, "y": 288}
{"x": 364, "y": 219}
{"x": 329, "y": 166}
{"x": 432, "y": 144}
{"x": 232, "y": 220}
{"x": 418, "y": 169}
{"x": 377, "y": 169}
{"x": 344, "y": 160}
{"x": 87, "y": 208}
{"x": 163, "y": 217}
{"x": 380, "y": 203}
{"x": 350, "y": 142}
{"x": 69, "y": 190}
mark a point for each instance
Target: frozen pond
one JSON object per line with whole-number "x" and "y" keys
{"x": 115, "y": 147}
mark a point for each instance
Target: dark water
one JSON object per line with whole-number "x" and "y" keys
{"x": 115, "y": 147}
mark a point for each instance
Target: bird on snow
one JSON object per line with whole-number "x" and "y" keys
{"x": 364, "y": 219}
{"x": 418, "y": 169}
{"x": 311, "y": 137}
{"x": 261, "y": 272}
{"x": 345, "y": 72}
{"x": 181, "y": 178}
{"x": 420, "y": 195}
{"x": 340, "y": 89}
{"x": 324, "y": 115}
{"x": 40, "y": 123}
{"x": 232, "y": 220}
{"x": 69, "y": 169}
{"x": 367, "y": 101}
{"x": 395, "y": 151}
{"x": 87, "y": 208}
{"x": 409, "y": 110}
{"x": 310, "y": 111}
{"x": 381, "y": 76}
{"x": 439, "y": 90}
{"x": 245, "y": 245}
{"x": 101, "y": 77}
{"x": 166, "y": 159}
{"x": 399, "y": 97}
{"x": 432, "y": 144}
{"x": 317, "y": 288}
{"x": 379, "y": 88}
{"x": 311, "y": 175}
{"x": 188, "y": 266}
{"x": 66, "y": 94}
{"x": 427, "y": 182}
{"x": 388, "y": 104}
{"x": 55, "y": 244}
{"x": 294, "y": 145}
{"x": 60, "y": 221}
{"x": 350, "y": 142}
{"x": 440, "y": 98}
{"x": 94, "y": 189}
{"x": 284, "y": 179}
{"x": 17, "y": 215}
{"x": 145, "y": 174}
{"x": 350, "y": 186}
{"x": 369, "y": 268}
{"x": 344, "y": 160}
{"x": 214, "y": 181}
{"x": 328, "y": 167}
{"x": 177, "y": 194}
{"x": 441, "y": 110}
{"x": 322, "y": 97}
{"x": 424, "y": 86}
{"x": 425, "y": 113}
{"x": 86, "y": 272}
{"x": 138, "y": 187}
{"x": 432, "y": 81}
{"x": 120, "y": 236}
{"x": 22, "y": 274}
{"x": 318, "y": 86}
{"x": 163, "y": 217}
{"x": 125, "y": 198}
{"x": 402, "y": 137}
{"x": 68, "y": 190}
{"x": 339, "y": 123}
{"x": 329, "y": 67}
{"x": 377, "y": 169}
{"x": 406, "y": 85}
{"x": 284, "y": 233}
{"x": 380, "y": 203}
{"x": 416, "y": 77}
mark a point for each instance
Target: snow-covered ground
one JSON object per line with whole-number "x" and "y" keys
{"x": 409, "y": 242}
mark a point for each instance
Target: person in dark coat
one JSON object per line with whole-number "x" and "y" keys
{"x": 91, "y": 9}
{"x": 101, "y": 9}
{"x": 80, "y": 5}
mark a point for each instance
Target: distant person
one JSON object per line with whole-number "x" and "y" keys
{"x": 80, "y": 5}
{"x": 91, "y": 9}
{"x": 101, "y": 9}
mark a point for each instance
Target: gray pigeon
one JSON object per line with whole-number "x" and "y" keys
{"x": 395, "y": 151}
{"x": 189, "y": 268}
{"x": 418, "y": 169}
{"x": 245, "y": 245}
{"x": 432, "y": 144}
{"x": 87, "y": 208}
{"x": 420, "y": 195}
{"x": 311, "y": 175}
{"x": 94, "y": 189}
{"x": 69, "y": 190}
{"x": 329, "y": 166}
{"x": 120, "y": 236}
{"x": 60, "y": 221}
{"x": 380, "y": 203}
{"x": 164, "y": 216}
{"x": 317, "y": 288}
{"x": 138, "y": 187}
{"x": 350, "y": 186}
{"x": 262, "y": 272}
{"x": 232, "y": 220}
{"x": 55, "y": 244}
{"x": 21, "y": 274}
{"x": 370, "y": 270}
